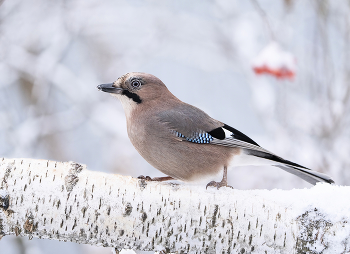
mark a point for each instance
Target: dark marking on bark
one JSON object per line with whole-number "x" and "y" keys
{"x": 70, "y": 182}
{"x": 142, "y": 183}
{"x": 127, "y": 210}
{"x": 213, "y": 220}
{"x": 72, "y": 178}
{"x": 82, "y": 233}
{"x": 309, "y": 222}
{"x": 29, "y": 226}
{"x": 75, "y": 223}
{"x": 278, "y": 217}
{"x": 171, "y": 232}
{"x": 143, "y": 216}
{"x": 1, "y": 228}
{"x": 17, "y": 231}
{"x": 5, "y": 201}
{"x": 96, "y": 215}
{"x": 7, "y": 174}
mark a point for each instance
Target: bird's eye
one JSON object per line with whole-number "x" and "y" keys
{"x": 135, "y": 83}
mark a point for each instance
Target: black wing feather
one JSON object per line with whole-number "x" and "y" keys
{"x": 239, "y": 135}
{"x": 218, "y": 133}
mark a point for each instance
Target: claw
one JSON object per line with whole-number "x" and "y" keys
{"x": 155, "y": 179}
{"x": 218, "y": 185}
{"x": 212, "y": 184}
{"x": 223, "y": 182}
{"x": 146, "y": 178}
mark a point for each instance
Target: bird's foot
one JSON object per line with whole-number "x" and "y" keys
{"x": 146, "y": 178}
{"x": 155, "y": 179}
{"x": 218, "y": 185}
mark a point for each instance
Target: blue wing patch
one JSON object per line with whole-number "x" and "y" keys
{"x": 199, "y": 138}
{"x": 178, "y": 134}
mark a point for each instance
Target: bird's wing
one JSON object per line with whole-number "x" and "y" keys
{"x": 187, "y": 120}
{"x": 193, "y": 125}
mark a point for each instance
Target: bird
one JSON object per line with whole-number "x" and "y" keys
{"x": 184, "y": 142}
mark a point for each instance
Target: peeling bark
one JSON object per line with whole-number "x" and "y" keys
{"x": 65, "y": 201}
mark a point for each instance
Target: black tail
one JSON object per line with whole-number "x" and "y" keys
{"x": 306, "y": 174}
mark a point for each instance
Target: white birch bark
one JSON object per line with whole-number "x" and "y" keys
{"x": 65, "y": 201}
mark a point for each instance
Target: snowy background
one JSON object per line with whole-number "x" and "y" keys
{"x": 53, "y": 54}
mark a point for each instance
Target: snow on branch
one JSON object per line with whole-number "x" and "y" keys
{"x": 65, "y": 201}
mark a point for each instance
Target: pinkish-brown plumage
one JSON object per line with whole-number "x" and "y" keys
{"x": 184, "y": 142}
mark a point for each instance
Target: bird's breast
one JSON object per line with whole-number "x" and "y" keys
{"x": 183, "y": 160}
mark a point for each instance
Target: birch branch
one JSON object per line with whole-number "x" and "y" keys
{"x": 65, "y": 201}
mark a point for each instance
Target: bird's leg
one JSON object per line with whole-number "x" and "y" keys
{"x": 223, "y": 182}
{"x": 156, "y": 179}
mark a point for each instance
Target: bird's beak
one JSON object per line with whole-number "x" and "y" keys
{"x": 110, "y": 88}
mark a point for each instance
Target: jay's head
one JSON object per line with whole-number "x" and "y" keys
{"x": 136, "y": 88}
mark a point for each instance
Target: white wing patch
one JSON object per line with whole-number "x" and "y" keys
{"x": 228, "y": 133}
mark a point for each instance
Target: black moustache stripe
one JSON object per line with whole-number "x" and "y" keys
{"x": 132, "y": 96}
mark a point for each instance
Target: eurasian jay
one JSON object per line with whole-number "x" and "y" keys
{"x": 184, "y": 142}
